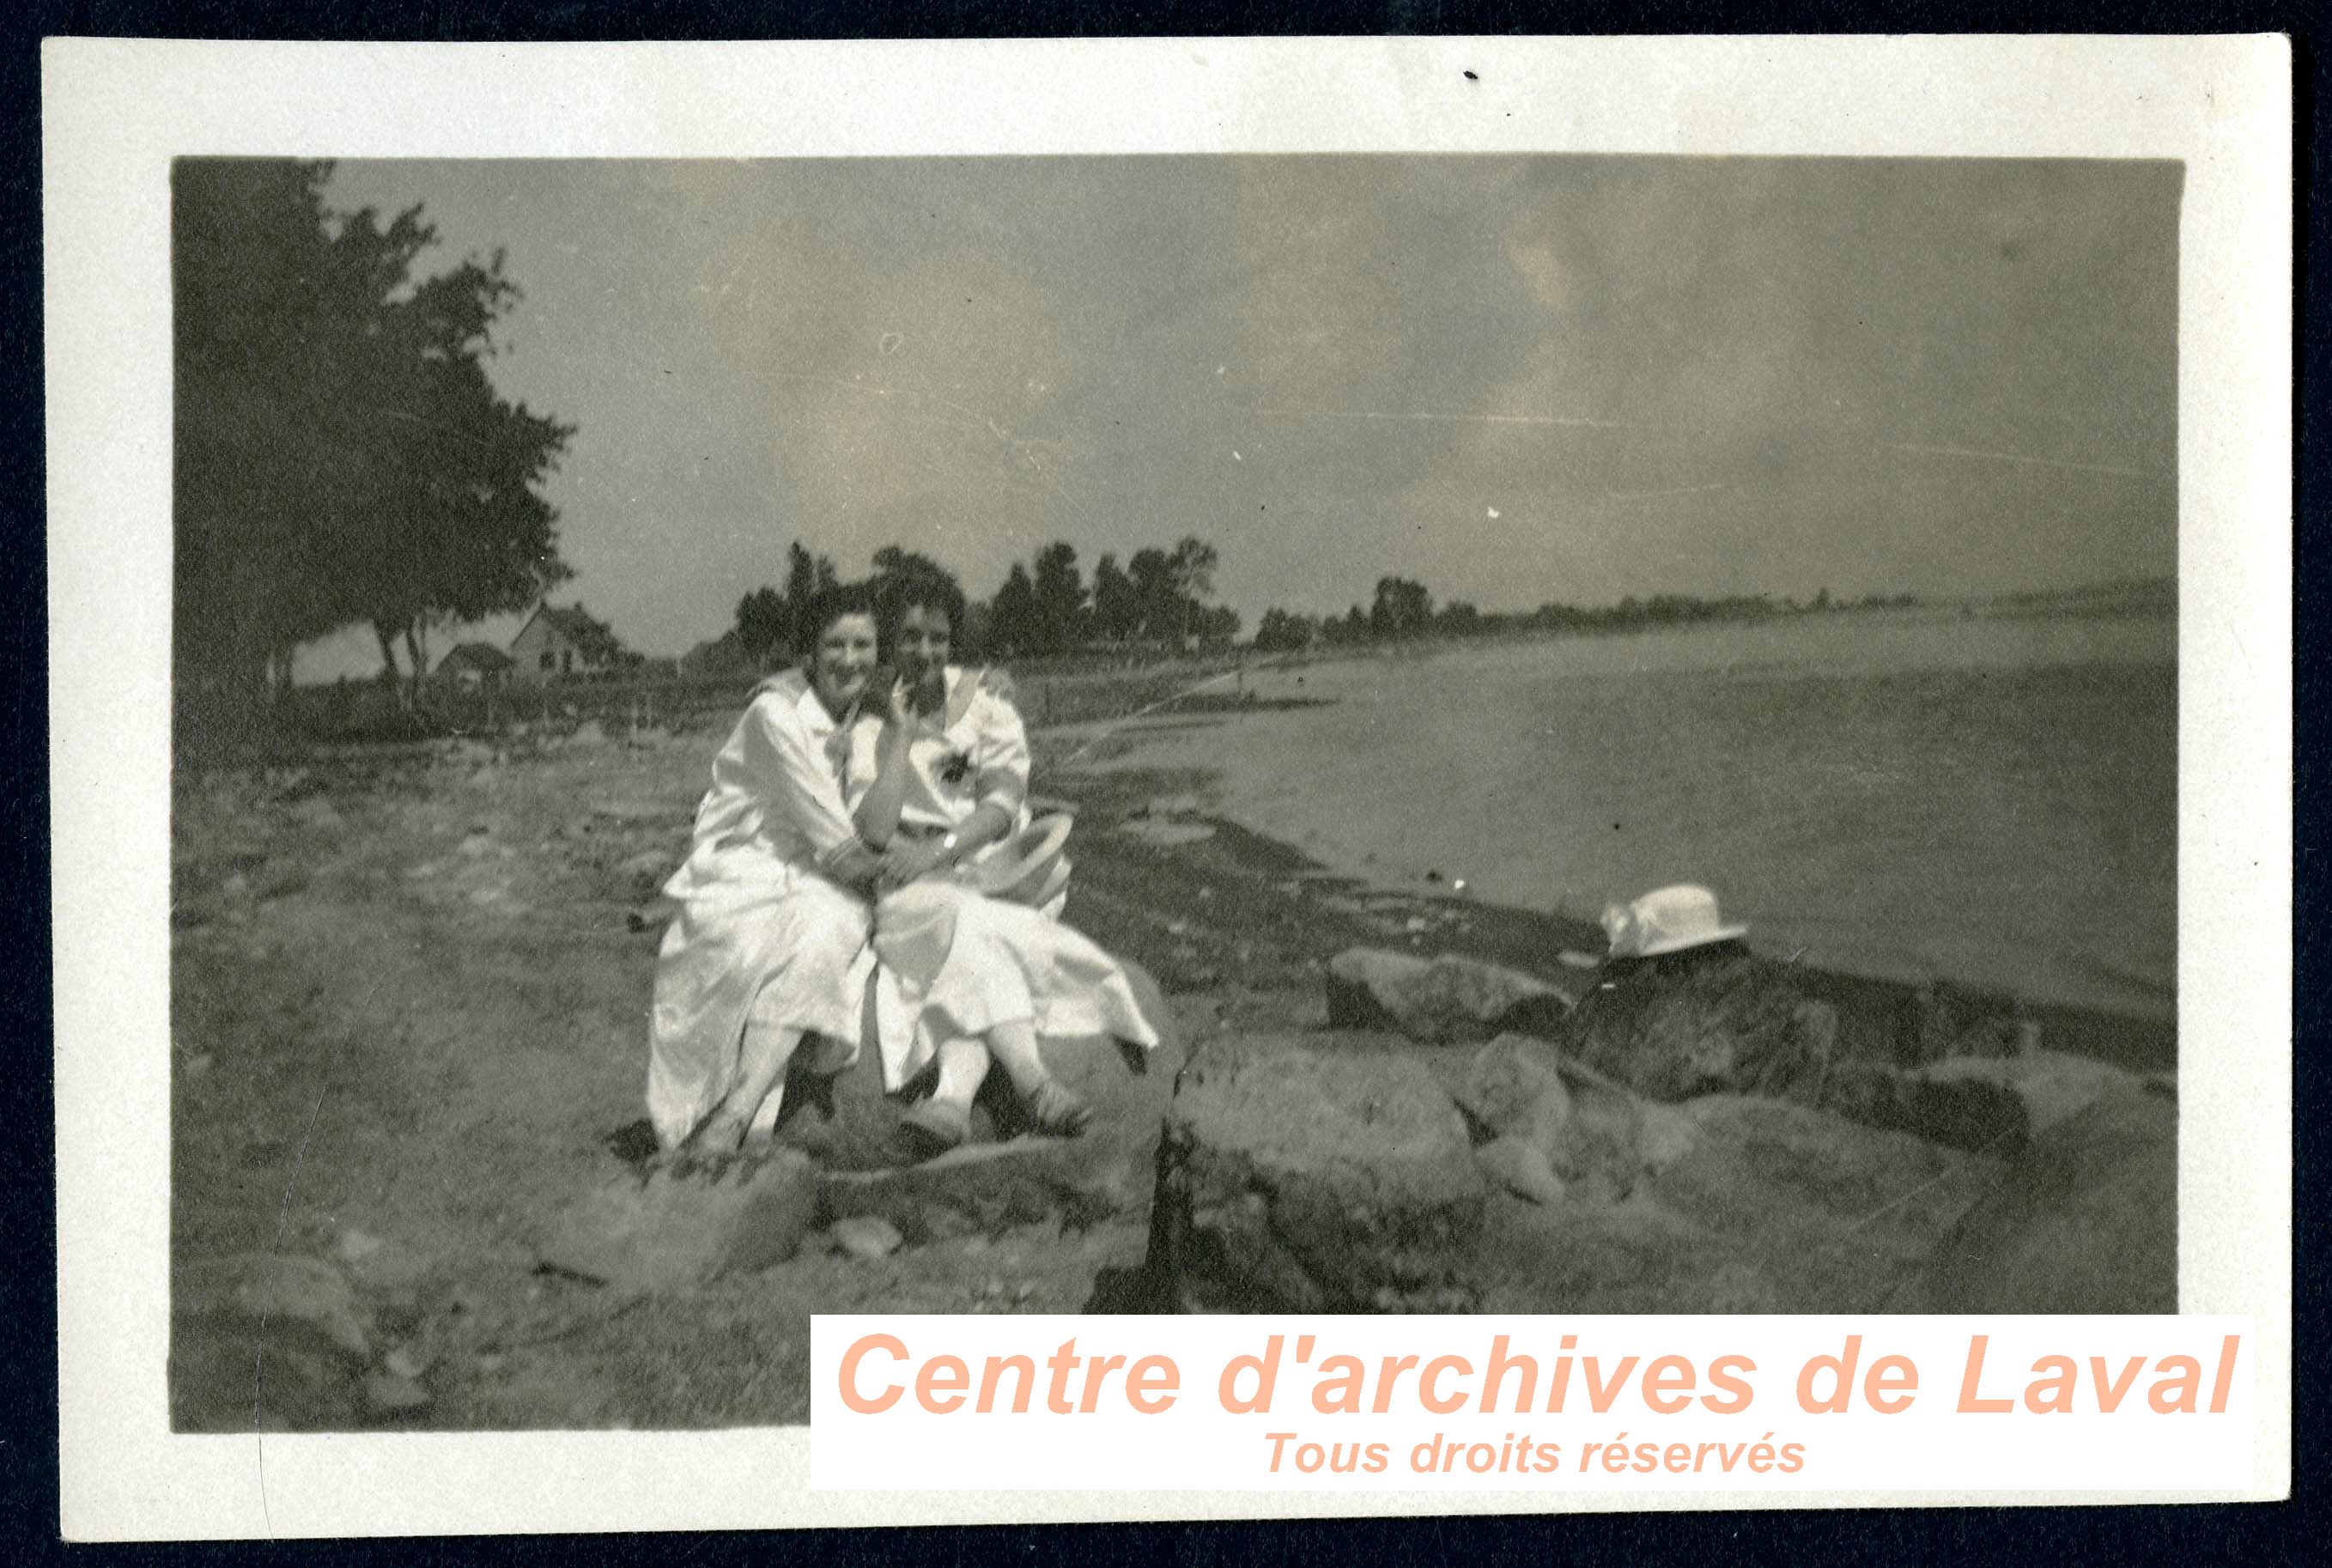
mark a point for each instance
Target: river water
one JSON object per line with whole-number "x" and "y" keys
{"x": 1986, "y": 798}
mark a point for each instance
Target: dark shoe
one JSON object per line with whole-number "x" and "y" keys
{"x": 1056, "y": 1112}
{"x": 932, "y": 1127}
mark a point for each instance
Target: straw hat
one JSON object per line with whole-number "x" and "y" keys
{"x": 1029, "y": 867}
{"x": 1666, "y": 919}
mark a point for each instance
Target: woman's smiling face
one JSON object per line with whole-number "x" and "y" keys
{"x": 922, "y": 643}
{"x": 844, "y": 658}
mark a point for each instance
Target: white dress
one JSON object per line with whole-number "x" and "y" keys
{"x": 763, "y": 936}
{"x": 955, "y": 963}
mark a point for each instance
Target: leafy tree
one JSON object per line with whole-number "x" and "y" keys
{"x": 1116, "y": 603}
{"x": 1156, "y": 595}
{"x": 1216, "y": 626}
{"x": 801, "y": 578}
{"x": 764, "y": 627}
{"x": 1016, "y": 619}
{"x": 340, "y": 454}
{"x": 1402, "y": 609}
{"x": 1458, "y": 618}
{"x": 1281, "y": 632}
{"x": 1060, "y": 598}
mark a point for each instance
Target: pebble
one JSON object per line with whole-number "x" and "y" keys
{"x": 866, "y": 1236}
{"x": 406, "y": 1363}
{"x": 391, "y": 1394}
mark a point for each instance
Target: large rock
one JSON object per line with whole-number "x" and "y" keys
{"x": 679, "y": 1226}
{"x": 1767, "y": 1207}
{"x": 1438, "y": 1000}
{"x": 1709, "y": 1021}
{"x": 1994, "y": 1103}
{"x": 1311, "y": 1174}
{"x": 2086, "y": 1221}
{"x": 1341, "y": 1172}
{"x": 847, "y": 1122}
{"x": 1550, "y": 1128}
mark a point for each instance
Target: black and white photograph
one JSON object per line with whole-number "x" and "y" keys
{"x": 1534, "y": 733}
{"x": 1340, "y": 733}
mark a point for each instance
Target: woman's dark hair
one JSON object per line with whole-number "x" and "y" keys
{"x": 828, "y": 605}
{"x": 915, "y": 590}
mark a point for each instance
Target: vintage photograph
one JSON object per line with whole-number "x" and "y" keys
{"x": 1529, "y": 733}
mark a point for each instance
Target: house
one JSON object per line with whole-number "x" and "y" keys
{"x": 474, "y": 666}
{"x": 560, "y": 644}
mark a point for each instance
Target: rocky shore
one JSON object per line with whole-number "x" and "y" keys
{"x": 411, "y": 1187}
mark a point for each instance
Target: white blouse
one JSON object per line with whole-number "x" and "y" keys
{"x": 777, "y": 790}
{"x": 974, "y": 753}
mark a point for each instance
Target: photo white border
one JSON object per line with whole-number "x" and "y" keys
{"x": 115, "y": 113}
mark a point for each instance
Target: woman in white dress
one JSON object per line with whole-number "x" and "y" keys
{"x": 967, "y": 978}
{"x": 771, "y": 943}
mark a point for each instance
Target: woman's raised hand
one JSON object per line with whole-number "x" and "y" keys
{"x": 901, "y": 704}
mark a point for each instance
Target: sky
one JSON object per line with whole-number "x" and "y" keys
{"x": 1517, "y": 379}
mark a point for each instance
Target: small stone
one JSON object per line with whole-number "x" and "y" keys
{"x": 1163, "y": 834}
{"x": 866, "y": 1236}
{"x": 377, "y": 1263}
{"x": 1520, "y": 1166}
{"x": 390, "y": 1394}
{"x": 477, "y": 845}
{"x": 405, "y": 1362}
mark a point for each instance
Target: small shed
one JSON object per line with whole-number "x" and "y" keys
{"x": 474, "y": 666}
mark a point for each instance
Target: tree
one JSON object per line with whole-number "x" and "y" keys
{"x": 1402, "y": 609}
{"x": 1116, "y": 603}
{"x": 1192, "y": 566}
{"x": 1060, "y": 598}
{"x": 1216, "y": 626}
{"x": 1281, "y": 632}
{"x": 1014, "y": 620}
{"x": 340, "y": 454}
{"x": 1158, "y": 611}
{"x": 764, "y": 627}
{"x": 1458, "y": 618}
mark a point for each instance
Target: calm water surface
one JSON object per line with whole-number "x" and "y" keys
{"x": 1990, "y": 799}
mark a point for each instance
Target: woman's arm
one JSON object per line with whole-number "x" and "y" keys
{"x": 803, "y": 786}
{"x": 878, "y": 812}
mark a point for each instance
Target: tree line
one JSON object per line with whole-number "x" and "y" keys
{"x": 1404, "y": 608}
{"x": 340, "y": 455}
{"x": 1160, "y": 597}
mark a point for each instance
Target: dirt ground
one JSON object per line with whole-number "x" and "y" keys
{"x": 409, "y": 996}
{"x": 410, "y": 992}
